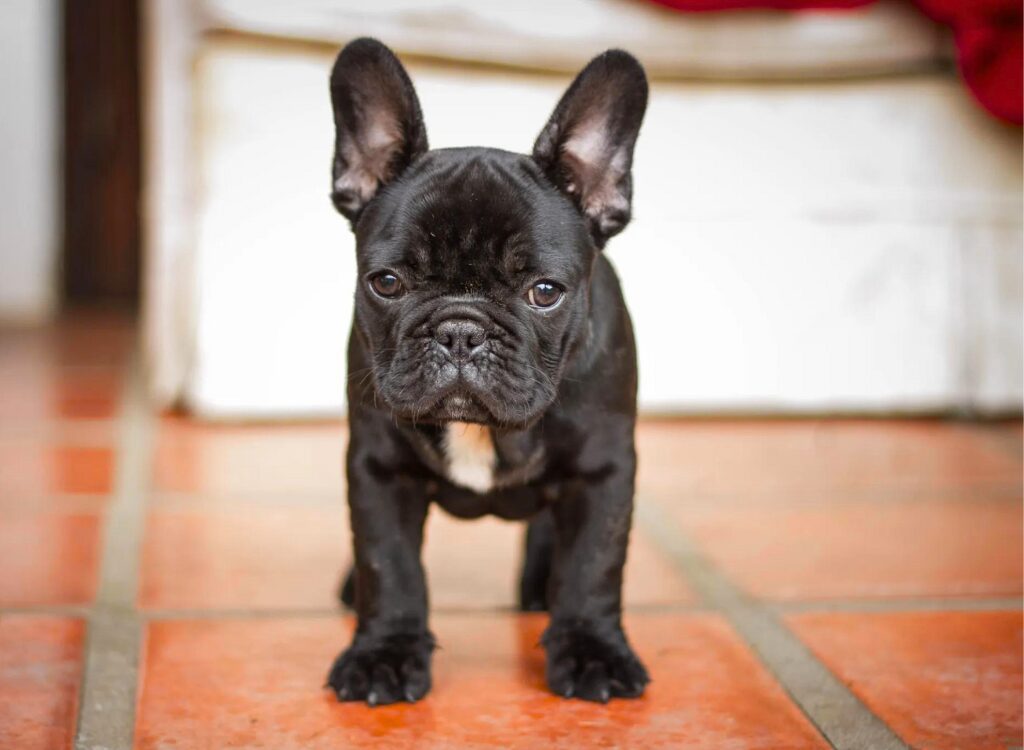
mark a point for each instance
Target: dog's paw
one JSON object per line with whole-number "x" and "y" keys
{"x": 383, "y": 670}
{"x": 594, "y": 667}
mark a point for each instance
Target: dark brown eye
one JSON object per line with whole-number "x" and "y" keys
{"x": 544, "y": 294}
{"x": 386, "y": 285}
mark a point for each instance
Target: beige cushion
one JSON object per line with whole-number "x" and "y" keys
{"x": 888, "y": 37}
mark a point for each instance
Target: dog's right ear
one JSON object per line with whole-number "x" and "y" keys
{"x": 378, "y": 125}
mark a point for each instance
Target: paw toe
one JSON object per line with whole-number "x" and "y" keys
{"x": 593, "y": 683}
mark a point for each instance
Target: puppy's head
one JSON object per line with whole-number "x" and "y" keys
{"x": 474, "y": 264}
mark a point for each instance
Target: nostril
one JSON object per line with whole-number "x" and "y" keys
{"x": 443, "y": 337}
{"x": 445, "y": 334}
{"x": 476, "y": 337}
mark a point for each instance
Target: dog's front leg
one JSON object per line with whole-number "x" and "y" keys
{"x": 588, "y": 655}
{"x": 389, "y": 658}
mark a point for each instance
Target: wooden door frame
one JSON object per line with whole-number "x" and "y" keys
{"x": 102, "y": 151}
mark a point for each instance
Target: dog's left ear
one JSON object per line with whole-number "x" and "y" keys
{"x": 586, "y": 148}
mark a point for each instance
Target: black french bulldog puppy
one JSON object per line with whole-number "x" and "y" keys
{"x": 492, "y": 367}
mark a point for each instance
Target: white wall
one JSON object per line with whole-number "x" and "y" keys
{"x": 29, "y": 172}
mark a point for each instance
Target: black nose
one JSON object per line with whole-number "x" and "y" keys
{"x": 460, "y": 336}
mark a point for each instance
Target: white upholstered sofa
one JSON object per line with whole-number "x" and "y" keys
{"x": 824, "y": 219}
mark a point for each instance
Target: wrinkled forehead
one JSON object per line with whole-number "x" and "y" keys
{"x": 492, "y": 214}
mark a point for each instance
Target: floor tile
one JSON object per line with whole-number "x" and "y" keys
{"x": 56, "y": 503}
{"x": 677, "y": 458}
{"x": 258, "y": 685}
{"x": 93, "y": 337}
{"x": 30, "y": 467}
{"x": 1010, "y": 433}
{"x": 82, "y": 338}
{"x": 236, "y": 557}
{"x": 222, "y": 459}
{"x": 751, "y": 458}
{"x": 862, "y": 548}
{"x": 941, "y": 680}
{"x": 48, "y": 558}
{"x": 232, "y": 556}
{"x": 53, "y": 394}
{"x": 475, "y": 564}
{"x": 40, "y": 668}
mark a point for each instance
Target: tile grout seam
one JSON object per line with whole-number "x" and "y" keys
{"x": 106, "y": 714}
{"x": 833, "y": 606}
{"x": 836, "y": 713}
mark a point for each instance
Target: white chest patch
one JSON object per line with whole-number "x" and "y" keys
{"x": 469, "y": 456}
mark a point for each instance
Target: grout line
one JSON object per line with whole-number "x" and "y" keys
{"x": 842, "y": 719}
{"x": 286, "y": 613}
{"x": 80, "y": 433}
{"x": 343, "y": 612}
{"x": 902, "y": 604}
{"x": 62, "y": 503}
{"x": 230, "y": 501}
{"x": 988, "y": 490}
{"x": 997, "y": 490}
{"x": 51, "y": 610}
{"x": 906, "y": 604}
{"x": 106, "y": 718}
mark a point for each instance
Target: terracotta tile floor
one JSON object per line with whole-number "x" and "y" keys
{"x": 943, "y": 680}
{"x": 40, "y": 669}
{"x": 292, "y": 557}
{"x": 34, "y": 468}
{"x": 892, "y": 549}
{"x": 248, "y": 684}
{"x": 251, "y": 461}
{"x": 48, "y": 557}
{"x": 863, "y": 548}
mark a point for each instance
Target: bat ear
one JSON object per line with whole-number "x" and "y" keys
{"x": 378, "y": 125}
{"x": 586, "y": 148}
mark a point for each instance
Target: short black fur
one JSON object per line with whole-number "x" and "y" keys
{"x": 461, "y": 236}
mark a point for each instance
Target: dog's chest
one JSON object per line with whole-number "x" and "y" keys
{"x": 469, "y": 456}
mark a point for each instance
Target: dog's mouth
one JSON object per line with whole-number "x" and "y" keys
{"x": 461, "y": 407}
{"x": 457, "y": 405}
{"x": 464, "y": 400}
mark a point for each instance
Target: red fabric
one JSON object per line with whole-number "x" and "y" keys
{"x": 712, "y": 5}
{"x": 988, "y": 35}
{"x": 989, "y": 50}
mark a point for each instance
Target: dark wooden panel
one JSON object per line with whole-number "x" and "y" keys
{"x": 102, "y": 151}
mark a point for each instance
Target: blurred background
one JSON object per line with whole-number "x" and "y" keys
{"x": 827, "y": 213}
{"x": 825, "y": 274}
